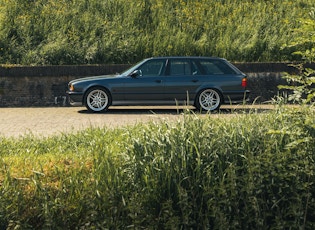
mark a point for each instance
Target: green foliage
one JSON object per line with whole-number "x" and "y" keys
{"x": 304, "y": 41}
{"x": 252, "y": 171}
{"x": 119, "y": 31}
{"x": 302, "y": 85}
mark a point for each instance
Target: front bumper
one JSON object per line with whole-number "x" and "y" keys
{"x": 75, "y": 98}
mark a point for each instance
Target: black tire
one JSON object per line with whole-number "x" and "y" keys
{"x": 208, "y": 100}
{"x": 97, "y": 99}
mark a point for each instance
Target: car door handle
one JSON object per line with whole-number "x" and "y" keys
{"x": 194, "y": 80}
{"x": 158, "y": 81}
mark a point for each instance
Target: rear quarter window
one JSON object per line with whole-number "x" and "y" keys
{"x": 214, "y": 67}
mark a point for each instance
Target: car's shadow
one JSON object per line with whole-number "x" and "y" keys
{"x": 174, "y": 110}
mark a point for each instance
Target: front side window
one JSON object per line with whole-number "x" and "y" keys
{"x": 152, "y": 68}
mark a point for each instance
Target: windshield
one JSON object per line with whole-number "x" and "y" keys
{"x": 133, "y": 68}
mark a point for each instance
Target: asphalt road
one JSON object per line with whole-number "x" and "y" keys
{"x": 43, "y": 122}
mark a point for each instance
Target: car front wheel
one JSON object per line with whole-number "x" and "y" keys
{"x": 208, "y": 100}
{"x": 97, "y": 100}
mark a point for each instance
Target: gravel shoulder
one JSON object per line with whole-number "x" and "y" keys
{"x": 43, "y": 122}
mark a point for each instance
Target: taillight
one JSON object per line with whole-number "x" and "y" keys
{"x": 244, "y": 82}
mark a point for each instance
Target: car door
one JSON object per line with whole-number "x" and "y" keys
{"x": 148, "y": 84}
{"x": 182, "y": 80}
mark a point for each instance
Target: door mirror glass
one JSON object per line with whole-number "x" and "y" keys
{"x": 136, "y": 73}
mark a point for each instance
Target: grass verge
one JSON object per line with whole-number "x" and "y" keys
{"x": 249, "y": 171}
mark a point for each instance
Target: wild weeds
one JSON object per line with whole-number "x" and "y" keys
{"x": 92, "y": 32}
{"x": 247, "y": 171}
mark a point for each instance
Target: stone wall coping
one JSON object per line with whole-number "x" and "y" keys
{"x": 90, "y": 70}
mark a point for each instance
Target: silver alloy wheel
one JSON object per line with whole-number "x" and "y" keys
{"x": 209, "y": 100}
{"x": 97, "y": 100}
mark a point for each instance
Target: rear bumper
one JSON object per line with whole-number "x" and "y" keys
{"x": 236, "y": 97}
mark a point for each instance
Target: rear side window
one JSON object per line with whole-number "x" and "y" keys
{"x": 212, "y": 67}
{"x": 180, "y": 67}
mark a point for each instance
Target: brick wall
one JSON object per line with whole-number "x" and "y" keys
{"x": 46, "y": 85}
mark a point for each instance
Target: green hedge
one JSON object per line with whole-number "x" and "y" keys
{"x": 247, "y": 171}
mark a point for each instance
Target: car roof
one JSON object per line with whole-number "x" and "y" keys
{"x": 187, "y": 57}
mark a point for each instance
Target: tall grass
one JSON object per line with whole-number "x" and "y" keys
{"x": 83, "y": 32}
{"x": 249, "y": 171}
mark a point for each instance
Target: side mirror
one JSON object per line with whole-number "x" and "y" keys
{"x": 136, "y": 73}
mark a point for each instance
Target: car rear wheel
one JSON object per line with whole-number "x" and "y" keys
{"x": 97, "y": 100}
{"x": 208, "y": 100}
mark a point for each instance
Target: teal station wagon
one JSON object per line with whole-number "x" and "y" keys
{"x": 204, "y": 82}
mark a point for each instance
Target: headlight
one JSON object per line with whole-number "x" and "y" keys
{"x": 71, "y": 87}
